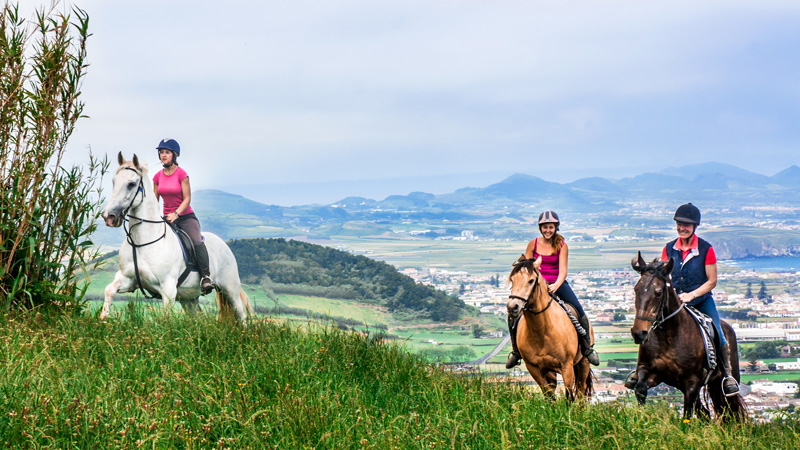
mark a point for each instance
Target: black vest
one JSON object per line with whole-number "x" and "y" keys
{"x": 690, "y": 274}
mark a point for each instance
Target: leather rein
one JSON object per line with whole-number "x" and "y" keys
{"x": 662, "y": 315}
{"x": 527, "y": 300}
{"x": 134, "y": 245}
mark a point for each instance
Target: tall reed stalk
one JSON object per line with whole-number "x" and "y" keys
{"x": 47, "y": 212}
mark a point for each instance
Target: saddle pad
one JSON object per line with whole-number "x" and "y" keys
{"x": 187, "y": 248}
{"x": 708, "y": 331}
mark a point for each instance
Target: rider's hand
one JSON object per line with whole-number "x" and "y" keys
{"x": 686, "y": 297}
{"x": 553, "y": 288}
{"x": 172, "y": 217}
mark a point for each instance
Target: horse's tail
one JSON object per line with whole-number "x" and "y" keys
{"x": 589, "y": 391}
{"x": 727, "y": 408}
{"x": 248, "y": 307}
{"x": 224, "y": 304}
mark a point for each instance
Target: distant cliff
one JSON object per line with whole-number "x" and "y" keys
{"x": 753, "y": 242}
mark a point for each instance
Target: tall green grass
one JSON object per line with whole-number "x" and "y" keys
{"x": 155, "y": 381}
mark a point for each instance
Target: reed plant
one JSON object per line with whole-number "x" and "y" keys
{"x": 47, "y": 212}
{"x": 150, "y": 380}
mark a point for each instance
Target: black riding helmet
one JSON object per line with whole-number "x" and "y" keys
{"x": 687, "y": 213}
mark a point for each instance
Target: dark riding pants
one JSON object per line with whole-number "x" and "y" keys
{"x": 190, "y": 224}
{"x": 565, "y": 293}
{"x": 709, "y": 308}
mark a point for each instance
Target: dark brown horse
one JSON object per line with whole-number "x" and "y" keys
{"x": 671, "y": 349}
{"x": 546, "y": 338}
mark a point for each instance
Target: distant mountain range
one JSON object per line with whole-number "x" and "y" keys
{"x": 722, "y": 191}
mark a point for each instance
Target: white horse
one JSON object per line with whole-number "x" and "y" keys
{"x": 153, "y": 249}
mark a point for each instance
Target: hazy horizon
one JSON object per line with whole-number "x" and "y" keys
{"x": 323, "y": 92}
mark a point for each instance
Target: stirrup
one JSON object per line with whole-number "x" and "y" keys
{"x": 630, "y": 381}
{"x": 206, "y": 285}
{"x": 592, "y": 356}
{"x": 732, "y": 393}
{"x": 514, "y": 359}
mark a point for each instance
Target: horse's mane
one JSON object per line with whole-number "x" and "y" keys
{"x": 655, "y": 265}
{"x": 522, "y": 263}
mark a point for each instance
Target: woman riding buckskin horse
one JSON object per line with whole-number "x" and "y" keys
{"x": 694, "y": 275}
{"x": 554, "y": 253}
{"x": 172, "y": 184}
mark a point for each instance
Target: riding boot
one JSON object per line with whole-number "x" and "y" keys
{"x": 206, "y": 285}
{"x": 729, "y": 385}
{"x": 632, "y": 380}
{"x": 514, "y": 358}
{"x": 586, "y": 340}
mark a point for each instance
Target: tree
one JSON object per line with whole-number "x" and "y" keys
{"x": 47, "y": 212}
{"x": 762, "y": 293}
{"x": 477, "y": 331}
{"x": 619, "y": 317}
{"x": 749, "y": 293}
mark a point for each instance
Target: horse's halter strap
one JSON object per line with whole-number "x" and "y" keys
{"x": 125, "y": 214}
{"x": 128, "y": 235}
{"x": 662, "y": 307}
{"x": 526, "y": 307}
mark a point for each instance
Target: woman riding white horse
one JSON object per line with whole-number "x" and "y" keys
{"x": 151, "y": 258}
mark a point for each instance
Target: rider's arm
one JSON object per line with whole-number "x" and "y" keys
{"x": 186, "y": 190}
{"x": 529, "y": 249}
{"x": 155, "y": 189}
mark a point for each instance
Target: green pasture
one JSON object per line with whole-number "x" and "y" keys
{"x": 784, "y": 375}
{"x": 491, "y": 257}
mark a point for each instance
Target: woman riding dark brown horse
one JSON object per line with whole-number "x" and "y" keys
{"x": 671, "y": 348}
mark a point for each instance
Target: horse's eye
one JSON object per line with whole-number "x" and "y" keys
{"x": 531, "y": 281}
{"x": 131, "y": 185}
{"x": 659, "y": 291}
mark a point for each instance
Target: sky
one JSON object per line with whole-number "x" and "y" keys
{"x": 326, "y": 99}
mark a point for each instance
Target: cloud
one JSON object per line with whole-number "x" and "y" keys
{"x": 336, "y": 90}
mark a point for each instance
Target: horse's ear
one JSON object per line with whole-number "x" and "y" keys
{"x": 136, "y": 161}
{"x": 638, "y": 263}
{"x": 537, "y": 263}
{"x": 519, "y": 260}
{"x": 667, "y": 269}
{"x": 120, "y": 159}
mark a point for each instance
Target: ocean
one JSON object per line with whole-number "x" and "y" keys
{"x": 767, "y": 263}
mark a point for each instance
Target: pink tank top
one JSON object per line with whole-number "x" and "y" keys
{"x": 169, "y": 188}
{"x": 549, "y": 268}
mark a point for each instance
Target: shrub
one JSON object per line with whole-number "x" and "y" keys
{"x": 47, "y": 212}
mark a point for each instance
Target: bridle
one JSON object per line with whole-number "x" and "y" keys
{"x": 125, "y": 218}
{"x": 662, "y": 316}
{"x": 526, "y": 301}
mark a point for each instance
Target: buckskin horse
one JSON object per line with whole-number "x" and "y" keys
{"x": 546, "y": 338}
{"x": 671, "y": 348}
{"x": 151, "y": 258}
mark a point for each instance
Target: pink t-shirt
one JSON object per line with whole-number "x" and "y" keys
{"x": 169, "y": 188}
{"x": 549, "y": 267}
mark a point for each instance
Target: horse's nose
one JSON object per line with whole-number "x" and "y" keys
{"x": 638, "y": 335}
{"x": 111, "y": 220}
{"x": 514, "y": 308}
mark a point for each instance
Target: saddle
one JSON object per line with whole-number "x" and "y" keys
{"x": 709, "y": 333}
{"x": 188, "y": 251}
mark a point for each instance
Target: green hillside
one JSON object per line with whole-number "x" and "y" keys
{"x": 173, "y": 382}
{"x": 293, "y": 267}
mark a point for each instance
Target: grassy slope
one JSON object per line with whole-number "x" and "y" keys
{"x": 173, "y": 382}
